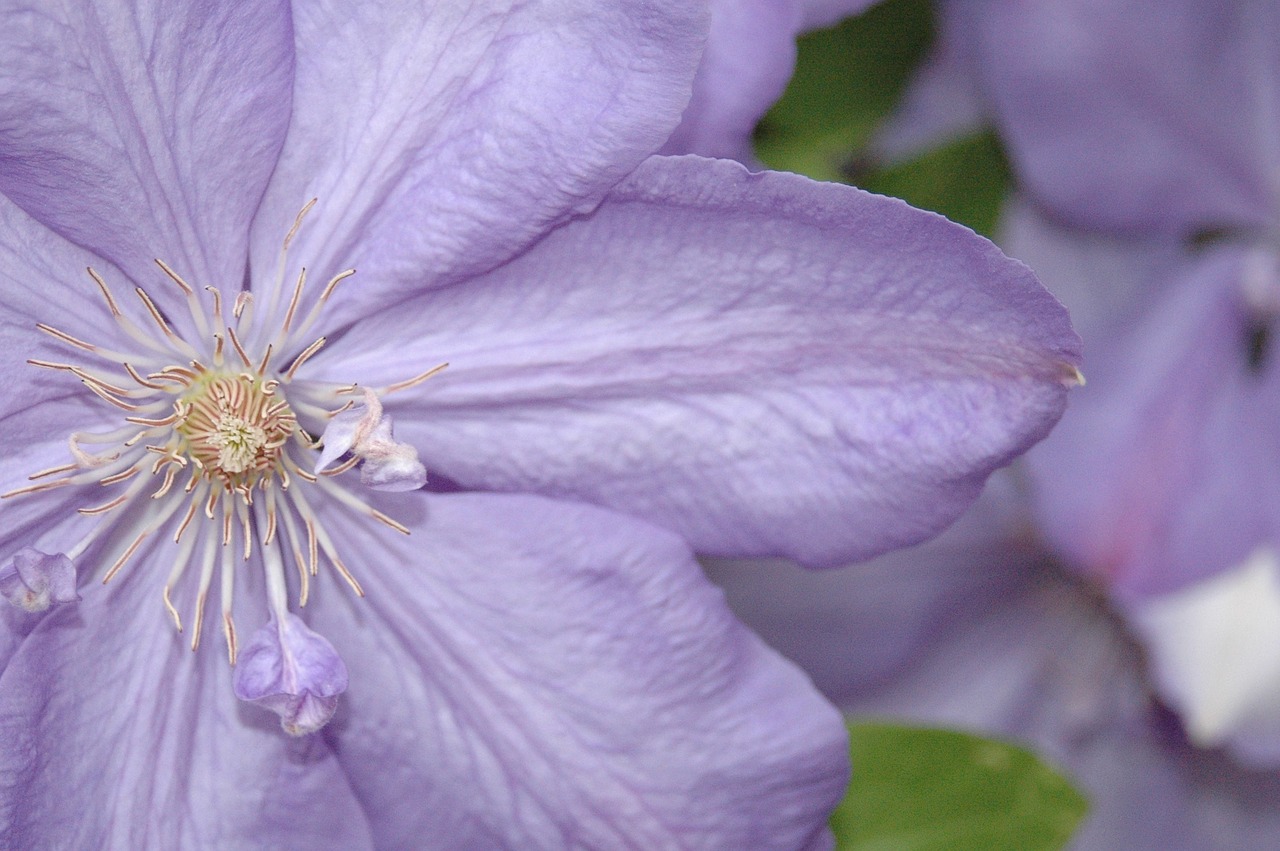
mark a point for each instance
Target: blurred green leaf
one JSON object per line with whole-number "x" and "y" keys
{"x": 966, "y": 180}
{"x": 847, "y": 80}
{"x": 919, "y": 789}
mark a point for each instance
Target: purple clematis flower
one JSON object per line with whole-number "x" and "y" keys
{"x": 646, "y": 355}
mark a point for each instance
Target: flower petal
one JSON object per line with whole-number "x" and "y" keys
{"x": 749, "y": 57}
{"x": 1215, "y": 650}
{"x": 468, "y": 130}
{"x": 765, "y": 364}
{"x": 943, "y": 101}
{"x": 979, "y": 630}
{"x": 535, "y": 674}
{"x": 1134, "y": 485}
{"x": 144, "y": 130}
{"x": 105, "y": 688}
{"x": 1142, "y": 116}
{"x": 824, "y": 13}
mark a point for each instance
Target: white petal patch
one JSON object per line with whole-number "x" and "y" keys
{"x": 1215, "y": 651}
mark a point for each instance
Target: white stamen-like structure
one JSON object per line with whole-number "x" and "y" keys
{"x": 219, "y": 443}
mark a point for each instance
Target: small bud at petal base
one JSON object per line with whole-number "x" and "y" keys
{"x": 292, "y": 671}
{"x": 34, "y": 581}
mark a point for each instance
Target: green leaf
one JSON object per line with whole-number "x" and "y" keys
{"x": 847, "y": 79}
{"x": 966, "y": 180}
{"x": 919, "y": 789}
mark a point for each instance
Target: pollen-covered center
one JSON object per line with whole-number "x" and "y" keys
{"x": 235, "y": 427}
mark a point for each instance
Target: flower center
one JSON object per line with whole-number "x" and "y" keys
{"x": 235, "y": 427}
{"x": 224, "y": 434}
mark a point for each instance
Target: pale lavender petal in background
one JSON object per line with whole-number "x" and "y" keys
{"x": 536, "y": 674}
{"x": 154, "y": 135}
{"x": 987, "y": 633}
{"x": 1149, "y": 116}
{"x": 1214, "y": 650}
{"x": 765, "y": 364}
{"x": 1136, "y": 486}
{"x": 943, "y": 101}
{"x": 469, "y": 131}
{"x": 816, "y": 14}
{"x": 748, "y": 61}
{"x": 750, "y": 55}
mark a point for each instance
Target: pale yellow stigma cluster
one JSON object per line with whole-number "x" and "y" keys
{"x": 235, "y": 426}
{"x": 214, "y": 445}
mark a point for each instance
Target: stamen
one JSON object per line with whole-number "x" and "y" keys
{"x": 235, "y": 341}
{"x": 175, "y": 277}
{"x": 412, "y": 382}
{"x": 66, "y": 338}
{"x": 293, "y": 302}
{"x": 164, "y": 326}
{"x": 105, "y": 507}
{"x": 206, "y": 577}
{"x": 133, "y": 373}
{"x": 52, "y": 471}
{"x": 106, "y": 292}
{"x": 302, "y": 358}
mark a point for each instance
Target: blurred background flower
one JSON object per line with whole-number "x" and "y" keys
{"x": 1116, "y": 600}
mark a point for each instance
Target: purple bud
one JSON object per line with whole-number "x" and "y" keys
{"x": 292, "y": 671}
{"x": 34, "y": 581}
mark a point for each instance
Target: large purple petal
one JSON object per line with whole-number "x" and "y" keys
{"x": 534, "y": 674}
{"x": 113, "y": 734}
{"x": 1146, "y": 115}
{"x": 466, "y": 130}
{"x": 766, "y": 364}
{"x": 1136, "y": 486}
{"x": 144, "y": 130}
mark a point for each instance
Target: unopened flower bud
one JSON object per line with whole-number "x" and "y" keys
{"x": 34, "y": 581}
{"x": 292, "y": 671}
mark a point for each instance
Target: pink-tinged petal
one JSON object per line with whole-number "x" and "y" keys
{"x": 1153, "y": 115}
{"x": 535, "y": 674}
{"x": 768, "y": 365}
{"x": 749, "y": 57}
{"x": 143, "y": 130}
{"x": 468, "y": 130}
{"x": 113, "y": 734}
{"x": 1136, "y": 485}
